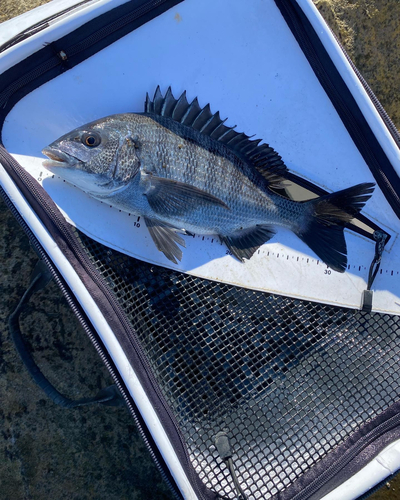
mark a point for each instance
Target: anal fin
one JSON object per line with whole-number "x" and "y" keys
{"x": 245, "y": 242}
{"x": 166, "y": 239}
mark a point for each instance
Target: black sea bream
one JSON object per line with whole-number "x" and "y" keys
{"x": 181, "y": 169}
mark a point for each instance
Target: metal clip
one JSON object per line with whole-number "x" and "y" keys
{"x": 62, "y": 55}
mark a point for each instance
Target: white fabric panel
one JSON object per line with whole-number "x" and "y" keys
{"x": 251, "y": 69}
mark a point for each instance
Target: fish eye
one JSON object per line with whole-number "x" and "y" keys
{"x": 91, "y": 139}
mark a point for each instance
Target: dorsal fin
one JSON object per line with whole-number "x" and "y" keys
{"x": 264, "y": 158}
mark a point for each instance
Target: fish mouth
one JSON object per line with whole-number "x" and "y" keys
{"x": 58, "y": 158}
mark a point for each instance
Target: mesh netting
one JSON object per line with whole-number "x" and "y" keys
{"x": 288, "y": 380}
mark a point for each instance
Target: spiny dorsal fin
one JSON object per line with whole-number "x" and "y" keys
{"x": 264, "y": 158}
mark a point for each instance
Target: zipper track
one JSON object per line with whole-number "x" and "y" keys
{"x": 78, "y": 48}
{"x": 64, "y": 229}
{"x": 61, "y": 226}
{"x": 39, "y": 26}
{"x": 116, "y": 25}
{"x": 296, "y": 24}
{"x": 336, "y": 467}
{"x": 92, "y": 336}
{"x": 27, "y": 78}
{"x": 381, "y": 110}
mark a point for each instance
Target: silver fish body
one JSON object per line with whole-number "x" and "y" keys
{"x": 214, "y": 169}
{"x": 181, "y": 169}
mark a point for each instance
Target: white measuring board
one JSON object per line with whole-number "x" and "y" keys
{"x": 284, "y": 265}
{"x": 252, "y": 71}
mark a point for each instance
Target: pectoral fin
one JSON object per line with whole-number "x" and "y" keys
{"x": 166, "y": 239}
{"x": 245, "y": 242}
{"x": 169, "y": 197}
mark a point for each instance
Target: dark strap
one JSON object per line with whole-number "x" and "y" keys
{"x": 109, "y": 396}
{"x": 381, "y": 239}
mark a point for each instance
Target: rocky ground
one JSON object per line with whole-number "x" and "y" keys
{"x": 94, "y": 452}
{"x": 370, "y": 32}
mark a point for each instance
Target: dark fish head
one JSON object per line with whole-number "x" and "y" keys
{"x": 99, "y": 157}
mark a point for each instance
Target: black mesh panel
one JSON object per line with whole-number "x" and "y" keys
{"x": 288, "y": 380}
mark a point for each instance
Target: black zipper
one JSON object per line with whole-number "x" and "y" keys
{"x": 58, "y": 60}
{"x": 64, "y": 229}
{"x": 39, "y": 26}
{"x": 329, "y": 473}
{"x": 61, "y": 57}
{"x": 330, "y": 79}
{"x": 381, "y": 110}
{"x": 93, "y": 338}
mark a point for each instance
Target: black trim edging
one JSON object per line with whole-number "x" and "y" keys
{"x": 87, "y": 325}
{"x": 343, "y": 101}
{"x": 347, "y": 459}
{"x": 30, "y": 74}
{"x": 72, "y": 49}
{"x": 87, "y": 40}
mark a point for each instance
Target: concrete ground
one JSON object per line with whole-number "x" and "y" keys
{"x": 95, "y": 452}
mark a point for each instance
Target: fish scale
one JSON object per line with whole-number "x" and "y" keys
{"x": 182, "y": 169}
{"x": 208, "y": 167}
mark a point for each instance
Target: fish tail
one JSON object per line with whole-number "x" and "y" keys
{"x": 322, "y": 228}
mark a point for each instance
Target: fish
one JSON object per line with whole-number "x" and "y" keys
{"x": 184, "y": 171}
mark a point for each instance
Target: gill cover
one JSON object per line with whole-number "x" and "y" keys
{"x": 98, "y": 157}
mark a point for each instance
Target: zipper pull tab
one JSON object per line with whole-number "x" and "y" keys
{"x": 224, "y": 448}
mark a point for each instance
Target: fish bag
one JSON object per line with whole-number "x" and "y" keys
{"x": 220, "y": 206}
